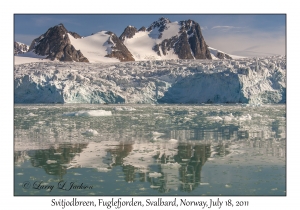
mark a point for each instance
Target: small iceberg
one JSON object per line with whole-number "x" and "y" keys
{"x": 124, "y": 109}
{"x": 154, "y": 186}
{"x": 103, "y": 169}
{"x": 90, "y": 132}
{"x": 245, "y": 117}
{"x": 229, "y": 117}
{"x": 171, "y": 165}
{"x": 31, "y": 115}
{"x": 216, "y": 118}
{"x": 51, "y": 161}
{"x": 173, "y": 141}
{"x": 155, "y": 174}
{"x": 154, "y": 133}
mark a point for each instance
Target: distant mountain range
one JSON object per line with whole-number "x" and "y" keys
{"x": 20, "y": 48}
{"x": 162, "y": 40}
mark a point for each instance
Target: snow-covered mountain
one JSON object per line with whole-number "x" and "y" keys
{"x": 161, "y": 40}
{"x": 20, "y": 48}
{"x": 170, "y": 63}
{"x": 56, "y": 44}
{"x": 164, "y": 39}
{"x": 60, "y": 44}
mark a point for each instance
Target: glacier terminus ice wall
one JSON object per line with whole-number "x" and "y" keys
{"x": 253, "y": 81}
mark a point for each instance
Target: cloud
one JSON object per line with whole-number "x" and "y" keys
{"x": 228, "y": 29}
{"x": 204, "y": 28}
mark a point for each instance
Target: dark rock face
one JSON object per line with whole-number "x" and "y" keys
{"x": 129, "y": 32}
{"x": 182, "y": 48}
{"x": 161, "y": 24}
{"x": 75, "y": 35}
{"x": 142, "y": 29}
{"x": 20, "y": 48}
{"x": 119, "y": 50}
{"x": 71, "y": 54}
{"x": 196, "y": 40}
{"x": 189, "y": 43}
{"x": 223, "y": 56}
{"x": 55, "y": 44}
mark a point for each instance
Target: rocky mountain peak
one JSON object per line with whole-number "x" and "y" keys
{"x": 20, "y": 48}
{"x": 55, "y": 44}
{"x": 75, "y": 35}
{"x": 195, "y": 39}
{"x": 160, "y": 24}
{"x": 119, "y": 50}
{"x": 143, "y": 28}
{"x": 188, "y": 43}
{"x": 129, "y": 32}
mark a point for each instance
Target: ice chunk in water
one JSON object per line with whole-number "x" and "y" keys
{"x": 171, "y": 165}
{"x": 245, "y": 117}
{"x": 124, "y": 109}
{"x": 216, "y": 118}
{"x": 51, "y": 161}
{"x": 173, "y": 141}
{"x": 90, "y": 132}
{"x": 31, "y": 115}
{"x": 155, "y": 174}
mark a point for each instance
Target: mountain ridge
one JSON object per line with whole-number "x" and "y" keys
{"x": 161, "y": 40}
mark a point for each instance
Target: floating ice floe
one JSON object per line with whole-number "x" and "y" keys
{"x": 155, "y": 174}
{"x": 157, "y": 133}
{"x": 173, "y": 141}
{"x": 212, "y": 154}
{"x": 154, "y": 186}
{"x": 171, "y": 165}
{"x": 31, "y": 115}
{"x": 89, "y": 113}
{"x": 103, "y": 169}
{"x": 124, "y": 108}
{"x": 257, "y": 115}
{"x": 230, "y": 117}
{"x": 51, "y": 161}
{"x": 245, "y": 117}
{"x": 128, "y": 109}
{"x": 90, "y": 132}
{"x": 216, "y": 118}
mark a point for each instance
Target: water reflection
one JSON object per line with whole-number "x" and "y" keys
{"x": 166, "y": 148}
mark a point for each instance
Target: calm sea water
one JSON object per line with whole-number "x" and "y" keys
{"x": 149, "y": 150}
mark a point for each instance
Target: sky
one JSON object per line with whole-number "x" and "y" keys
{"x": 244, "y": 34}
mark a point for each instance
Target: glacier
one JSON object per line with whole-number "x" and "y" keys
{"x": 248, "y": 80}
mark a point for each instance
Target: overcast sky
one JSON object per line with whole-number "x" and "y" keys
{"x": 244, "y": 35}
